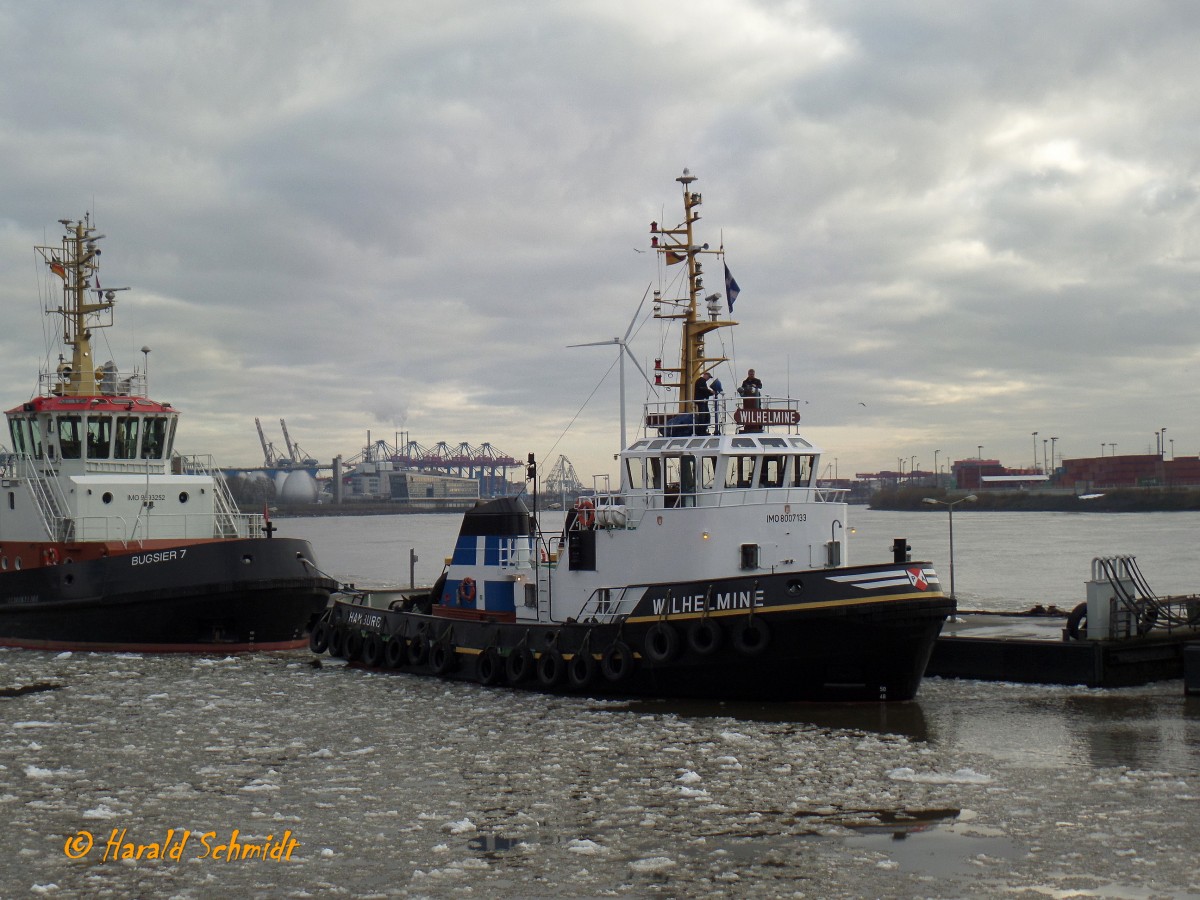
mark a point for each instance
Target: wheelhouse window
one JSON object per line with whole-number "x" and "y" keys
{"x": 803, "y": 470}
{"x": 708, "y": 472}
{"x": 127, "y": 437}
{"x": 154, "y": 438}
{"x": 654, "y": 473}
{"x": 741, "y": 472}
{"x": 70, "y": 437}
{"x": 19, "y": 429}
{"x": 635, "y": 474}
{"x": 771, "y": 472}
{"x": 680, "y": 480}
{"x": 99, "y": 437}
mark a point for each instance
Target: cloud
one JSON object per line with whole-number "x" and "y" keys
{"x": 979, "y": 219}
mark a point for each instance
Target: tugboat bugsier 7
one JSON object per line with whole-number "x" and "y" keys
{"x": 718, "y": 570}
{"x": 111, "y": 541}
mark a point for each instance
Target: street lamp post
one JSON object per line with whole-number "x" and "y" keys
{"x": 1035, "y": 449}
{"x": 970, "y": 498}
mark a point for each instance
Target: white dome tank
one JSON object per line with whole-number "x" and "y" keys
{"x": 298, "y": 487}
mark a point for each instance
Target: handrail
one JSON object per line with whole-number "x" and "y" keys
{"x": 225, "y": 512}
{"x": 722, "y": 415}
{"x": 601, "y": 607}
{"x": 48, "y": 497}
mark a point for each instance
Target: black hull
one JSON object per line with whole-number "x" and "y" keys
{"x": 836, "y": 650}
{"x": 227, "y": 596}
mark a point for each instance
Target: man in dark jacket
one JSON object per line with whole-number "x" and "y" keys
{"x": 700, "y": 397}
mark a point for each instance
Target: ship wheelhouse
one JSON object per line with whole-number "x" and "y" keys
{"x": 717, "y": 470}
{"x": 94, "y": 434}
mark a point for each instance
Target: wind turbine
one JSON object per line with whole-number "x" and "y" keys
{"x": 623, "y": 351}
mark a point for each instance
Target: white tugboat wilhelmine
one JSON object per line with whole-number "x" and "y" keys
{"x": 719, "y": 568}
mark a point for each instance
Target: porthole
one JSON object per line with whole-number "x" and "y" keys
{"x": 183, "y": 496}
{"x": 18, "y": 564}
{"x": 107, "y": 498}
{"x": 4, "y": 564}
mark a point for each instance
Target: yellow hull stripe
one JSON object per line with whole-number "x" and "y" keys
{"x": 791, "y": 607}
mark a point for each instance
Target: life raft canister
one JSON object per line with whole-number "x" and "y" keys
{"x": 466, "y": 592}
{"x": 585, "y": 512}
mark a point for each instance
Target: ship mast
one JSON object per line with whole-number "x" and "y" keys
{"x": 678, "y": 245}
{"x": 76, "y": 263}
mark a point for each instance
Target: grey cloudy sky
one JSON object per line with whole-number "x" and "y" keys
{"x": 977, "y": 219}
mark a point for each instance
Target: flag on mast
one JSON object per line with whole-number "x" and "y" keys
{"x": 731, "y": 288}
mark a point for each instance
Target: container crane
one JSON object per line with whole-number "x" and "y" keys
{"x": 269, "y": 457}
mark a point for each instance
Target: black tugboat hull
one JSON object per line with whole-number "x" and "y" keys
{"x": 835, "y": 647}
{"x": 227, "y": 596}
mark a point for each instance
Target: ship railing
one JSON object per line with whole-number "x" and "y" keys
{"x": 228, "y": 521}
{"x": 146, "y": 527}
{"x": 109, "y": 383}
{"x": 48, "y": 497}
{"x": 724, "y": 414}
{"x": 625, "y": 512}
{"x": 606, "y": 605}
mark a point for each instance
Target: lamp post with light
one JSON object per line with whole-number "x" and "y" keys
{"x": 950, "y": 504}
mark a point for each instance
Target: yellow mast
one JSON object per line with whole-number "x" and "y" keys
{"x": 678, "y": 244}
{"x": 76, "y": 264}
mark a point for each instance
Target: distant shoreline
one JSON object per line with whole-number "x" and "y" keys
{"x": 1098, "y": 500}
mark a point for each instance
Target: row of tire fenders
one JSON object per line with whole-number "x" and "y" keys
{"x": 661, "y": 645}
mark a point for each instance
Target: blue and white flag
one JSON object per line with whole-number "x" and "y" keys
{"x": 731, "y": 288}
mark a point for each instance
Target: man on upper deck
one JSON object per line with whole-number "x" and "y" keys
{"x": 701, "y": 395}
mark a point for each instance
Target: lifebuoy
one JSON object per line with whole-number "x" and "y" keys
{"x": 519, "y": 665}
{"x": 704, "y": 636}
{"x": 581, "y": 670}
{"x": 372, "y": 651}
{"x": 751, "y": 636}
{"x": 466, "y": 592}
{"x": 551, "y": 667}
{"x": 542, "y": 555}
{"x": 318, "y": 638}
{"x": 50, "y": 556}
{"x": 662, "y": 643}
{"x": 394, "y": 652}
{"x": 617, "y": 662}
{"x": 585, "y": 513}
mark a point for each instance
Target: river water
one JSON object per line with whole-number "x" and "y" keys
{"x": 358, "y": 784}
